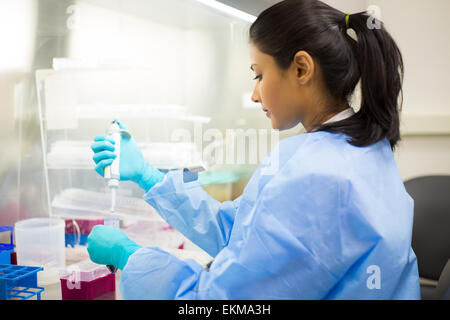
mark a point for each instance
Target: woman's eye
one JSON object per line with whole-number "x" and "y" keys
{"x": 258, "y": 77}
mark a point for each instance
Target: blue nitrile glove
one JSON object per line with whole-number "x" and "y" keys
{"x": 110, "y": 246}
{"x": 132, "y": 164}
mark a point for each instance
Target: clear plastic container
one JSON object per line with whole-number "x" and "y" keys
{"x": 112, "y": 221}
{"x": 79, "y": 203}
{"x": 40, "y": 242}
{"x": 85, "y": 270}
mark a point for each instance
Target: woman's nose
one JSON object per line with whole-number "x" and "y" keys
{"x": 255, "y": 96}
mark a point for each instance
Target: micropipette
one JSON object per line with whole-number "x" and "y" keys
{"x": 112, "y": 172}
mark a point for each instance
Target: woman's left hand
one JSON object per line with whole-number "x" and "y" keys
{"x": 110, "y": 246}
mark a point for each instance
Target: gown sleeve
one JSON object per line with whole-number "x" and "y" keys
{"x": 192, "y": 211}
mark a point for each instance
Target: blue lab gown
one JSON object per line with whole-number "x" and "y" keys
{"x": 333, "y": 221}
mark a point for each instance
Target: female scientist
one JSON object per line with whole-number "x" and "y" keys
{"x": 333, "y": 222}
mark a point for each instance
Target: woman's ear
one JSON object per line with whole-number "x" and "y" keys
{"x": 304, "y": 66}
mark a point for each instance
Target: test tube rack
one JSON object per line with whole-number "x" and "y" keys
{"x": 6, "y": 249}
{"x": 19, "y": 282}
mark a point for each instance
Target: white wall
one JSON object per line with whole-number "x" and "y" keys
{"x": 420, "y": 29}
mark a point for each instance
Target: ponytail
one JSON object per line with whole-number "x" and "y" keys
{"x": 373, "y": 59}
{"x": 381, "y": 70}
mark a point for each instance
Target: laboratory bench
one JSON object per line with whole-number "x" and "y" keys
{"x": 53, "y": 291}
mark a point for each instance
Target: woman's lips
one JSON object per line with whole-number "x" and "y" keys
{"x": 267, "y": 113}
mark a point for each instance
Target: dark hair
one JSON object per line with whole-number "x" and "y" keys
{"x": 315, "y": 27}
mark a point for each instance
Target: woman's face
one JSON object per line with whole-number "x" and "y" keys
{"x": 276, "y": 90}
{"x": 290, "y": 96}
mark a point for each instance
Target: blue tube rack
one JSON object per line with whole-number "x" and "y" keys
{"x": 19, "y": 282}
{"x": 6, "y": 248}
{"x": 5, "y": 256}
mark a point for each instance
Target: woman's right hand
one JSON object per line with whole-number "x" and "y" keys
{"x": 132, "y": 167}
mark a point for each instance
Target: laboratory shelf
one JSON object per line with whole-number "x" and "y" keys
{"x": 77, "y": 155}
{"x": 81, "y": 204}
{"x": 19, "y": 282}
{"x": 82, "y": 114}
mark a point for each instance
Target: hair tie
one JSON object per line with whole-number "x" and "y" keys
{"x": 347, "y": 19}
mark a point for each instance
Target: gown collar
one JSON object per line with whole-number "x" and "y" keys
{"x": 347, "y": 113}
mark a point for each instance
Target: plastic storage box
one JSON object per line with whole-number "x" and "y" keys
{"x": 87, "y": 281}
{"x": 77, "y": 230}
{"x": 82, "y": 226}
{"x": 19, "y": 282}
